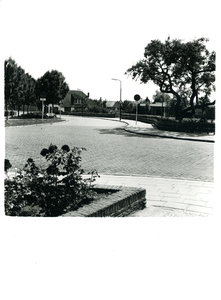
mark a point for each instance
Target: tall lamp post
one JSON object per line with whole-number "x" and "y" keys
{"x": 120, "y": 93}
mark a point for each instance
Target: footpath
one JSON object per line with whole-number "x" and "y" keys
{"x": 168, "y": 196}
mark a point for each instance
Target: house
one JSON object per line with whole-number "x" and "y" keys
{"x": 158, "y": 108}
{"x": 208, "y": 113}
{"x": 112, "y": 106}
{"x": 74, "y": 101}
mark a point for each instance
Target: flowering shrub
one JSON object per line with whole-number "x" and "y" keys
{"x": 49, "y": 191}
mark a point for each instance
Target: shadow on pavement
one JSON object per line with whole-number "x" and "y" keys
{"x": 122, "y": 131}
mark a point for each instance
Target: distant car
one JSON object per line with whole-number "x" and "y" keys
{"x": 50, "y": 115}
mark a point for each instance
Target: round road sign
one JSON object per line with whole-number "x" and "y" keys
{"x": 137, "y": 97}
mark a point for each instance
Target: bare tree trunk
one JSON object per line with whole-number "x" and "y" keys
{"x": 194, "y": 94}
{"x": 192, "y": 105}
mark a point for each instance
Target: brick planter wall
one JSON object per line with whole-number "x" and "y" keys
{"x": 121, "y": 203}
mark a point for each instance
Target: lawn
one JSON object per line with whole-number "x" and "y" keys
{"x": 26, "y": 122}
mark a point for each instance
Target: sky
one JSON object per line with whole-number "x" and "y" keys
{"x": 90, "y": 42}
{"x": 93, "y": 41}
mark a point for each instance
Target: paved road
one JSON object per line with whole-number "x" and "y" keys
{"x": 112, "y": 150}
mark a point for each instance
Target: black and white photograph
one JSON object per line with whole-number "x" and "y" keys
{"x": 110, "y": 129}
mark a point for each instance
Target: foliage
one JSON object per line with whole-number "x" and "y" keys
{"x": 53, "y": 86}
{"x": 49, "y": 191}
{"x": 19, "y": 86}
{"x": 178, "y": 68}
{"x": 161, "y": 97}
{"x": 35, "y": 115}
{"x": 128, "y": 107}
{"x": 9, "y": 81}
{"x": 186, "y": 125}
{"x": 22, "y": 89}
{"x": 95, "y": 106}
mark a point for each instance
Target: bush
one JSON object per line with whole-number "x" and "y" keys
{"x": 32, "y": 116}
{"x": 9, "y": 113}
{"x": 50, "y": 191}
{"x": 186, "y": 125}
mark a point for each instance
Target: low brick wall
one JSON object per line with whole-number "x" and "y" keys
{"x": 121, "y": 203}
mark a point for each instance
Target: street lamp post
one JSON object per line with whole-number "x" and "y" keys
{"x": 120, "y": 93}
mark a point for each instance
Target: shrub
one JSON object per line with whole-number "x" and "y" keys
{"x": 186, "y": 125}
{"x": 31, "y": 115}
{"x": 9, "y": 113}
{"x": 50, "y": 191}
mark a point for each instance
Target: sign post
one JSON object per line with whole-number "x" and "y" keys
{"x": 42, "y": 99}
{"x": 136, "y": 98}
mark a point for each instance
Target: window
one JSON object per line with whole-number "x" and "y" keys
{"x": 75, "y": 101}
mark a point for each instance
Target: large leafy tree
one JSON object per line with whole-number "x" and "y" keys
{"x": 20, "y": 89}
{"x": 14, "y": 80}
{"x": 52, "y": 86}
{"x": 29, "y": 97}
{"x": 19, "y": 86}
{"x": 10, "y": 76}
{"x": 185, "y": 70}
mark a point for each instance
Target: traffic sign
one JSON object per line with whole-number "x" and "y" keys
{"x": 42, "y": 99}
{"x": 137, "y": 97}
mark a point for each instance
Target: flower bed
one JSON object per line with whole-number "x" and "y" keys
{"x": 50, "y": 191}
{"x": 121, "y": 202}
{"x": 60, "y": 189}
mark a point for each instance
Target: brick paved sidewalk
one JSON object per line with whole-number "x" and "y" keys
{"x": 186, "y": 195}
{"x": 190, "y": 198}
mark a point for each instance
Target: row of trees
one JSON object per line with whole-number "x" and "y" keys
{"x": 19, "y": 86}
{"x": 21, "y": 89}
{"x": 184, "y": 70}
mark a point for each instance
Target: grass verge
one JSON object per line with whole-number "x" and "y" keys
{"x": 26, "y": 122}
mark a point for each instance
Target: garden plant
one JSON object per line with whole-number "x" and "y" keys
{"x": 51, "y": 191}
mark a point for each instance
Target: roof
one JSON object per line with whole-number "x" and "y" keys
{"x": 77, "y": 93}
{"x": 110, "y": 104}
{"x": 73, "y": 94}
{"x": 158, "y": 104}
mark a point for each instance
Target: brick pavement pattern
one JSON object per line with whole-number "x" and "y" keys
{"x": 112, "y": 150}
{"x": 184, "y": 198}
{"x": 177, "y": 174}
